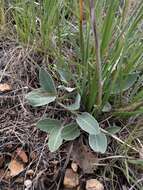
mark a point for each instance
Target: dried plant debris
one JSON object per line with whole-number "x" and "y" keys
{"x": 1, "y": 161}
{"x": 22, "y": 155}
{"x": 15, "y": 168}
{"x": 84, "y": 157}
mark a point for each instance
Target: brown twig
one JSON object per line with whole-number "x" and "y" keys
{"x": 64, "y": 167}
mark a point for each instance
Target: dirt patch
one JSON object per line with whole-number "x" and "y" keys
{"x": 18, "y": 119}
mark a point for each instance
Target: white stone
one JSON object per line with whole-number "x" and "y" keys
{"x": 28, "y": 183}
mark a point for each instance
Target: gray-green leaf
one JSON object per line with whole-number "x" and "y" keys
{"x": 65, "y": 75}
{"x": 70, "y": 132}
{"x": 39, "y": 98}
{"x": 107, "y": 107}
{"x": 113, "y": 129}
{"x": 47, "y": 125}
{"x": 55, "y": 139}
{"x": 74, "y": 106}
{"x": 123, "y": 85}
{"x": 98, "y": 142}
{"x": 88, "y": 123}
{"x": 47, "y": 82}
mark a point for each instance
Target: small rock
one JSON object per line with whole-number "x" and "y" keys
{"x": 74, "y": 166}
{"x": 30, "y": 173}
{"x": 71, "y": 179}
{"x": 28, "y": 184}
{"x": 94, "y": 184}
{"x": 5, "y": 87}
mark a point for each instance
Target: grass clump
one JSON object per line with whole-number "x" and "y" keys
{"x": 36, "y": 21}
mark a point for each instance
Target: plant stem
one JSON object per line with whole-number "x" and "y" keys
{"x": 82, "y": 49}
{"x": 119, "y": 140}
{"x": 97, "y": 48}
{"x": 81, "y": 30}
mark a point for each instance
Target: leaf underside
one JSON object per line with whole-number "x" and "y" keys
{"x": 47, "y": 82}
{"x": 74, "y": 106}
{"x": 39, "y": 98}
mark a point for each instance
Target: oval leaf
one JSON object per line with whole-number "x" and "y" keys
{"x": 39, "y": 98}
{"x": 123, "y": 85}
{"x": 88, "y": 123}
{"x": 65, "y": 75}
{"x": 107, "y": 107}
{"x": 47, "y": 82}
{"x": 70, "y": 132}
{"x": 74, "y": 106}
{"x": 47, "y": 125}
{"x": 113, "y": 129}
{"x": 55, "y": 139}
{"x": 98, "y": 142}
